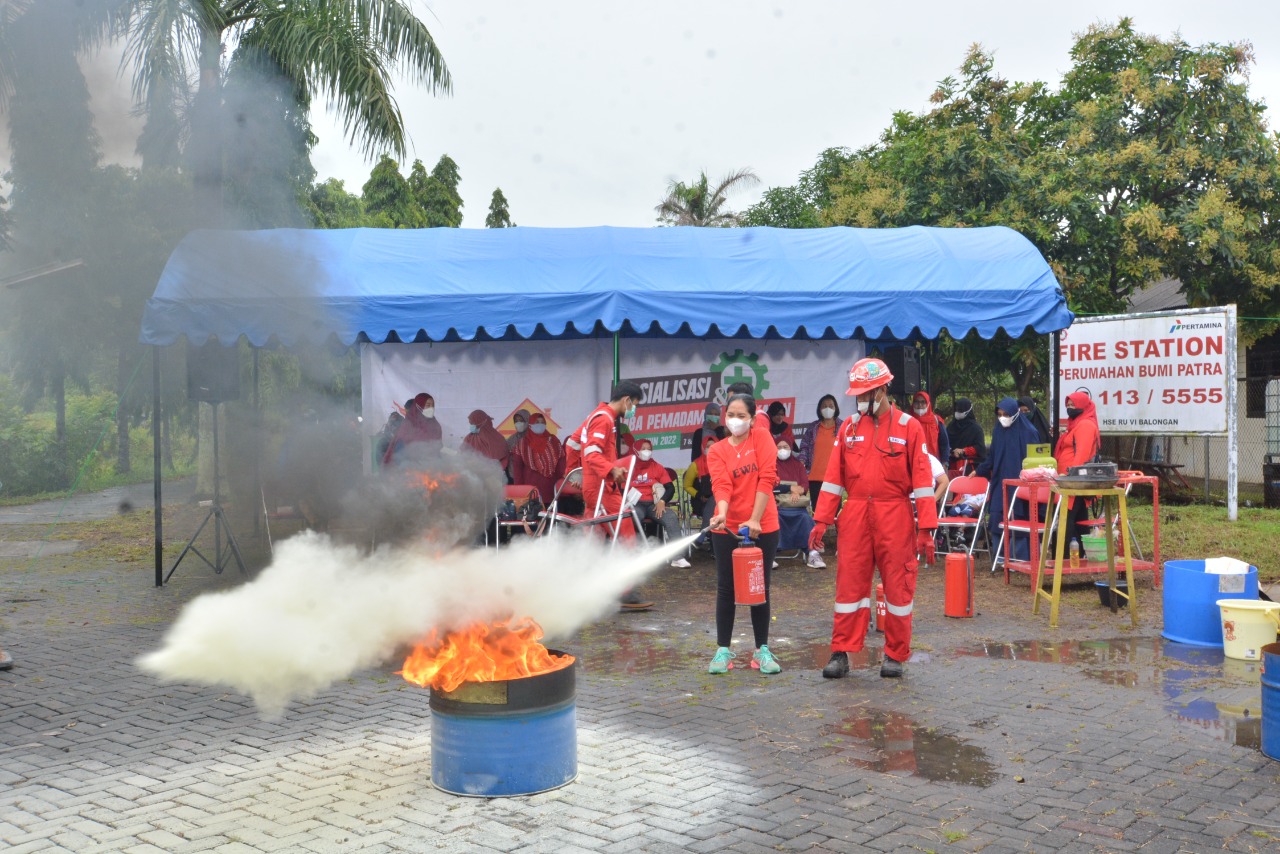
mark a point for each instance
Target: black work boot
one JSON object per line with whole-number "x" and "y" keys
{"x": 890, "y": 669}
{"x": 837, "y": 667}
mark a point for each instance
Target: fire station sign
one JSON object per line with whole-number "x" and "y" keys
{"x": 1161, "y": 374}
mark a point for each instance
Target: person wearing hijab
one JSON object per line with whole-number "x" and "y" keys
{"x": 965, "y": 436}
{"x": 818, "y": 444}
{"x": 419, "y": 433}
{"x": 1078, "y": 445}
{"x": 779, "y": 429}
{"x": 538, "y": 459}
{"x": 483, "y": 439}
{"x": 1027, "y": 406}
{"x": 710, "y": 426}
{"x": 935, "y": 433}
{"x": 1009, "y": 440}
{"x": 796, "y": 523}
{"x": 520, "y": 421}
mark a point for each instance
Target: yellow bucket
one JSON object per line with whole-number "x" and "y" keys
{"x": 1247, "y": 626}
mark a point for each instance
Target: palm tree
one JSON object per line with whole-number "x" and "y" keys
{"x": 341, "y": 50}
{"x": 701, "y": 204}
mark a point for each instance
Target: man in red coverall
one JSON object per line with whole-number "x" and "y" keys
{"x": 881, "y": 462}
{"x": 601, "y": 479}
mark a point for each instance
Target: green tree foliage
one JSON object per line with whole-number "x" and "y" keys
{"x": 343, "y": 50}
{"x": 801, "y": 206}
{"x": 499, "y": 215}
{"x": 331, "y": 206}
{"x": 440, "y": 200}
{"x": 54, "y": 153}
{"x": 1149, "y": 160}
{"x": 269, "y": 139}
{"x": 388, "y": 198}
{"x": 702, "y": 204}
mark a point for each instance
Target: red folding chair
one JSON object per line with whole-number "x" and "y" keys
{"x": 969, "y": 526}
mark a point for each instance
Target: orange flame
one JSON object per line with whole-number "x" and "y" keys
{"x": 481, "y": 653}
{"x": 433, "y": 482}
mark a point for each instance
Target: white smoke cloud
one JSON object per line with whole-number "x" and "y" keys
{"x": 321, "y": 611}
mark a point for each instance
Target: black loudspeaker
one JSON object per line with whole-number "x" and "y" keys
{"x": 213, "y": 372}
{"x": 904, "y": 364}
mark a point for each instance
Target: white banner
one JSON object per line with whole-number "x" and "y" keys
{"x": 566, "y": 379}
{"x": 1152, "y": 374}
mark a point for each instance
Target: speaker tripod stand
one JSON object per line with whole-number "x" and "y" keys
{"x": 223, "y": 553}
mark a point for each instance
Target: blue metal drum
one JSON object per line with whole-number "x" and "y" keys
{"x": 1271, "y": 700}
{"x": 512, "y": 737}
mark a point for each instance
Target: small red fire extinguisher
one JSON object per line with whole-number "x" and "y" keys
{"x": 748, "y": 572}
{"x": 881, "y": 608}
{"x": 958, "y": 595}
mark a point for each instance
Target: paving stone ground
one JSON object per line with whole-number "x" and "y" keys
{"x": 1005, "y": 735}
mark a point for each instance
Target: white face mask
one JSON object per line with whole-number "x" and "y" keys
{"x": 521, "y": 426}
{"x": 626, "y": 449}
{"x": 737, "y": 426}
{"x": 1006, "y": 421}
{"x": 828, "y": 412}
{"x": 784, "y": 453}
{"x": 876, "y": 407}
{"x": 960, "y": 416}
{"x": 922, "y": 410}
{"x": 428, "y": 412}
{"x": 863, "y": 406}
{"x": 645, "y": 456}
{"x": 539, "y": 429}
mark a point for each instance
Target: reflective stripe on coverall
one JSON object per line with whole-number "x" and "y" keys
{"x": 599, "y": 453}
{"x": 883, "y": 465}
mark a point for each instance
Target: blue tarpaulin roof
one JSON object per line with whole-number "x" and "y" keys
{"x": 460, "y": 284}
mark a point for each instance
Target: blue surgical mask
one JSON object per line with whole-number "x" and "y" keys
{"x": 475, "y": 429}
{"x": 630, "y": 413}
{"x": 713, "y": 419}
{"x": 538, "y": 429}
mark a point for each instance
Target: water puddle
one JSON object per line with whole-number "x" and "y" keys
{"x": 893, "y": 743}
{"x": 1200, "y": 686}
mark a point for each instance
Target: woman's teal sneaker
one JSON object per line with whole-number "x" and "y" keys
{"x": 722, "y": 661}
{"x": 764, "y": 661}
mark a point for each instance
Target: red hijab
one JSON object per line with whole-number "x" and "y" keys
{"x": 541, "y": 453}
{"x": 928, "y": 421}
{"x": 416, "y": 427}
{"x": 488, "y": 442}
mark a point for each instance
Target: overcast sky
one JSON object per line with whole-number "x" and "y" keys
{"x": 582, "y": 111}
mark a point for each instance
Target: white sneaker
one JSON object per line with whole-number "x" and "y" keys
{"x": 815, "y": 560}
{"x": 680, "y": 563}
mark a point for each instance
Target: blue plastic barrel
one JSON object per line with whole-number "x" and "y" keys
{"x": 1191, "y": 595}
{"x": 1271, "y": 700}
{"x": 512, "y": 737}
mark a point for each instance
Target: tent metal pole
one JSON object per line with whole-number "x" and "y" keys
{"x": 156, "y": 415}
{"x": 617, "y": 366}
{"x": 1055, "y": 385}
{"x": 257, "y": 449}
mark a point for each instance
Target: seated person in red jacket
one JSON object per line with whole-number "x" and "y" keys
{"x": 652, "y": 481}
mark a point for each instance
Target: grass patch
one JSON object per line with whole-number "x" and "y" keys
{"x": 1195, "y": 532}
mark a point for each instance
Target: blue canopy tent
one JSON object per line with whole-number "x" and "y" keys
{"x": 293, "y": 286}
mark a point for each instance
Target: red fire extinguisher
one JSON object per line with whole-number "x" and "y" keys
{"x": 748, "y": 572}
{"x": 958, "y": 596}
{"x": 881, "y": 608}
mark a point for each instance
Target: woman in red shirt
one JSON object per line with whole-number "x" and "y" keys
{"x": 743, "y": 474}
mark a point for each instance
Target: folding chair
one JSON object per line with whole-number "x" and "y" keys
{"x": 968, "y": 526}
{"x": 552, "y": 515}
{"x": 1037, "y": 498}
{"x": 521, "y": 495}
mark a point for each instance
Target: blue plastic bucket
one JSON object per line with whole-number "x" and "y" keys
{"x": 1271, "y": 700}
{"x": 1191, "y": 595}
{"x": 512, "y": 737}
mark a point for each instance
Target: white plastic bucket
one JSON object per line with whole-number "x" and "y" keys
{"x": 1247, "y": 626}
